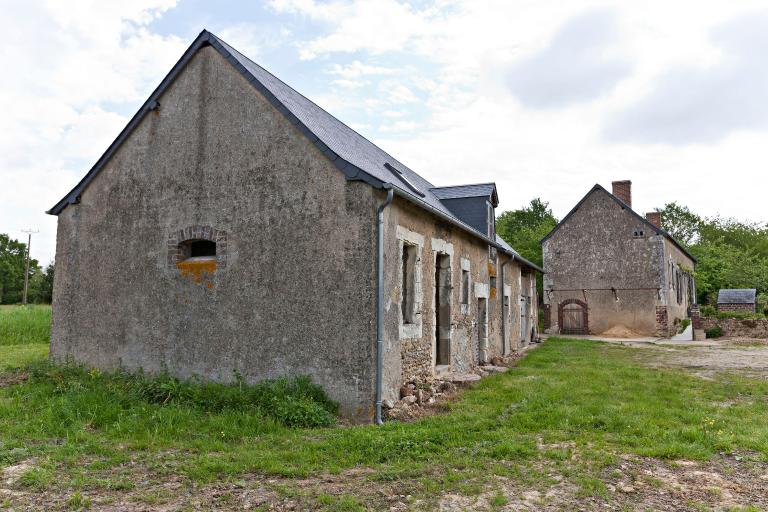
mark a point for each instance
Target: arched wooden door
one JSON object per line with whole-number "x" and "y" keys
{"x": 573, "y": 317}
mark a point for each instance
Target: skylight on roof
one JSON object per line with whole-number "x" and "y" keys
{"x": 402, "y": 177}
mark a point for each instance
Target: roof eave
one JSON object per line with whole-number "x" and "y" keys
{"x": 465, "y": 227}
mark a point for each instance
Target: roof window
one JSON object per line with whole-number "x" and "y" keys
{"x": 402, "y": 177}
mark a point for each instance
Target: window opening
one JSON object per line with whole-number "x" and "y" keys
{"x": 408, "y": 302}
{"x": 465, "y": 287}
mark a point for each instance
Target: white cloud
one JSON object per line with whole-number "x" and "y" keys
{"x": 74, "y": 63}
{"x": 471, "y": 127}
{"x": 430, "y": 82}
{"x": 580, "y": 64}
{"x": 350, "y": 84}
{"x": 397, "y": 93}
{"x": 357, "y": 69}
{"x": 705, "y": 103}
{"x": 398, "y": 127}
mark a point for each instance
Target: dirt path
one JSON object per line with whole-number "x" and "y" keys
{"x": 747, "y": 357}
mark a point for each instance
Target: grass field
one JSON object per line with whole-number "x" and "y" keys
{"x": 570, "y": 412}
{"x": 25, "y": 325}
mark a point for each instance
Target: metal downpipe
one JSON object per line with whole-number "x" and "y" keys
{"x": 380, "y": 297}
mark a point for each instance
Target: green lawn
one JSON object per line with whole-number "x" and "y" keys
{"x": 574, "y": 405}
{"x": 25, "y": 324}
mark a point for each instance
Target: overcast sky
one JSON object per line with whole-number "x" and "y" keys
{"x": 546, "y": 98}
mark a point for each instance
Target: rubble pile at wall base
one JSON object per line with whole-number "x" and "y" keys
{"x": 421, "y": 396}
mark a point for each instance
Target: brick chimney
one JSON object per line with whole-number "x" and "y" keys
{"x": 654, "y": 218}
{"x": 623, "y": 190}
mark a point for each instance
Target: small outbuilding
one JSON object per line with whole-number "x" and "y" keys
{"x": 737, "y": 299}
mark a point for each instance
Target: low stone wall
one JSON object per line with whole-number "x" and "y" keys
{"x": 738, "y": 327}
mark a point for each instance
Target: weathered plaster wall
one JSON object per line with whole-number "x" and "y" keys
{"x": 410, "y": 352}
{"x": 675, "y": 258}
{"x": 596, "y": 250}
{"x": 296, "y": 295}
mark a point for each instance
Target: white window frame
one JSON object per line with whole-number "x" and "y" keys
{"x": 407, "y": 237}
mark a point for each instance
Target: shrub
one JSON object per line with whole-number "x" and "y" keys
{"x": 294, "y": 402}
{"x": 714, "y": 332}
{"x": 710, "y": 311}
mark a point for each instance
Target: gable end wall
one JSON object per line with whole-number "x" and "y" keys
{"x": 296, "y": 296}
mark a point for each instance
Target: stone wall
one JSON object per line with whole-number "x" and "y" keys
{"x": 597, "y": 250}
{"x": 607, "y": 257}
{"x": 736, "y": 327}
{"x": 411, "y": 350}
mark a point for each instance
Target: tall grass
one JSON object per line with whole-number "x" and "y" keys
{"x": 23, "y": 325}
{"x": 292, "y": 402}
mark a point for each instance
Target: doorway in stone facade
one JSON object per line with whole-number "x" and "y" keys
{"x": 572, "y": 317}
{"x": 482, "y": 329}
{"x": 442, "y": 309}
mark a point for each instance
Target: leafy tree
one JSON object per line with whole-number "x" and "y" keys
{"x": 41, "y": 285}
{"x": 681, "y": 223}
{"x": 12, "y": 261}
{"x": 524, "y": 228}
{"x": 729, "y": 253}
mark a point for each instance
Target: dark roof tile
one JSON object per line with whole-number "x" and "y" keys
{"x": 737, "y": 296}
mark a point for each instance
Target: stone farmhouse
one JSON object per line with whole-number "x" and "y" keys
{"x": 236, "y": 226}
{"x": 608, "y": 268}
{"x": 737, "y": 299}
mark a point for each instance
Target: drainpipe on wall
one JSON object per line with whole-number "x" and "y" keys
{"x": 503, "y": 312}
{"x": 380, "y": 297}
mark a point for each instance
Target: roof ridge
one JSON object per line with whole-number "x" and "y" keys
{"x": 468, "y": 185}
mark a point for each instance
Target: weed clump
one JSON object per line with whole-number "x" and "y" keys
{"x": 293, "y": 402}
{"x": 714, "y": 332}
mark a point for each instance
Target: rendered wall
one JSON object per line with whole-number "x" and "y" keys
{"x": 293, "y": 292}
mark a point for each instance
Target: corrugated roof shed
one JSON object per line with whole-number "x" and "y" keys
{"x": 737, "y": 296}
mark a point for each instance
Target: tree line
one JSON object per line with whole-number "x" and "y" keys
{"x": 13, "y": 254}
{"x": 730, "y": 253}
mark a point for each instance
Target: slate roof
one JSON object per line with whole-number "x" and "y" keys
{"x": 350, "y": 152}
{"x": 461, "y": 191}
{"x": 737, "y": 296}
{"x": 652, "y": 227}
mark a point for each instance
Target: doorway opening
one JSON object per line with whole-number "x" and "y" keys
{"x": 482, "y": 329}
{"x": 442, "y": 309}
{"x": 573, "y": 317}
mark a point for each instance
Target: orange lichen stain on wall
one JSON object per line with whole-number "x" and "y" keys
{"x": 492, "y": 273}
{"x": 199, "y": 271}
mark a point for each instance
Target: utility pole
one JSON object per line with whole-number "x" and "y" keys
{"x": 26, "y": 270}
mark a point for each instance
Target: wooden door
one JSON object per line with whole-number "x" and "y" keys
{"x": 573, "y": 319}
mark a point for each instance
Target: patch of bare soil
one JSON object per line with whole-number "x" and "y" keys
{"x": 621, "y": 331}
{"x": 706, "y": 361}
{"x": 9, "y": 379}
{"x": 635, "y": 483}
